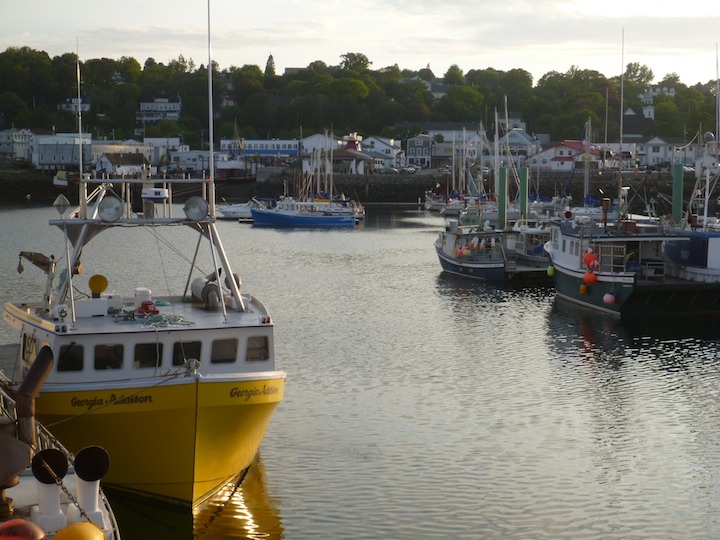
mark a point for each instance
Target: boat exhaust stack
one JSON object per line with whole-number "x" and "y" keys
{"x": 17, "y": 435}
{"x": 49, "y": 467}
{"x": 91, "y": 465}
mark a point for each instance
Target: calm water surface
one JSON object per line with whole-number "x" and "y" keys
{"x": 420, "y": 405}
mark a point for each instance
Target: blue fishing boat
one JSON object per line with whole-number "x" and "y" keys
{"x": 291, "y": 213}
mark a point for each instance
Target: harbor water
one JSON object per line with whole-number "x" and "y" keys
{"x": 420, "y": 405}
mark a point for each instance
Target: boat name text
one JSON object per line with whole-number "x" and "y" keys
{"x": 96, "y": 402}
{"x": 249, "y": 393}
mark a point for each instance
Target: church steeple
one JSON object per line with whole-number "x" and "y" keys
{"x": 270, "y": 67}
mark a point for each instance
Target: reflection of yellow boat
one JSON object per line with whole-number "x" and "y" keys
{"x": 179, "y": 389}
{"x": 246, "y": 509}
{"x": 237, "y": 510}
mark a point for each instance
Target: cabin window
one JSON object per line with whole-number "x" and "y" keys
{"x": 148, "y": 355}
{"x": 184, "y": 350}
{"x": 258, "y": 349}
{"x": 71, "y": 358}
{"x": 224, "y": 351}
{"x": 108, "y": 356}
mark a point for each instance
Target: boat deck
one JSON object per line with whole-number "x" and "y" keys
{"x": 99, "y": 315}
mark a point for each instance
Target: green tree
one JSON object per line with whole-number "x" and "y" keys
{"x": 454, "y": 76}
{"x": 12, "y": 108}
{"x": 426, "y": 74}
{"x": 641, "y": 75}
{"x": 461, "y": 103}
{"x": 355, "y": 62}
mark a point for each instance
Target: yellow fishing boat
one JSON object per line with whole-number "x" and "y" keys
{"x": 179, "y": 388}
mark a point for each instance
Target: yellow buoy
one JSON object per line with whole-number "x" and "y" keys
{"x": 97, "y": 283}
{"x": 82, "y": 530}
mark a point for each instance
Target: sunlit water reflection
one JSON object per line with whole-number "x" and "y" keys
{"x": 420, "y": 405}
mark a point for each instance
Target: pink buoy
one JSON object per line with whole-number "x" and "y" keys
{"x": 19, "y": 529}
{"x": 609, "y": 299}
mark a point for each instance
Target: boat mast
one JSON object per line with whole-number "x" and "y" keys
{"x": 712, "y": 145}
{"x": 586, "y": 178}
{"x": 83, "y": 186}
{"x": 622, "y": 116}
{"x": 212, "y": 233}
{"x": 211, "y": 183}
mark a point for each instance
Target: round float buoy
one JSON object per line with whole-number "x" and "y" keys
{"x": 583, "y": 289}
{"x": 551, "y": 270}
{"x": 19, "y": 529}
{"x": 589, "y": 278}
{"x": 590, "y": 259}
{"x": 82, "y": 530}
{"x": 97, "y": 283}
{"x": 609, "y": 299}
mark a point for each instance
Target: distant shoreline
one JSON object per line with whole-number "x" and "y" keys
{"x": 37, "y": 187}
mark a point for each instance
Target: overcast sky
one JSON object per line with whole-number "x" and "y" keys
{"x": 536, "y": 35}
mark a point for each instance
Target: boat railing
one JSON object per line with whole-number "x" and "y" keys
{"x": 45, "y": 440}
{"x": 150, "y": 197}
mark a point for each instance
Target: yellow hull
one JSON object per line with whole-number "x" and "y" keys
{"x": 178, "y": 441}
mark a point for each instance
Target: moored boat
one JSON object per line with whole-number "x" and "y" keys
{"x": 482, "y": 252}
{"x": 243, "y": 211}
{"x": 291, "y": 213}
{"x": 179, "y": 388}
{"x": 621, "y": 269}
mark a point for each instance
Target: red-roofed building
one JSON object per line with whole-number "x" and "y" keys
{"x": 565, "y": 156}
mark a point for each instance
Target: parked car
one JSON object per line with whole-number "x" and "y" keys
{"x": 408, "y": 170}
{"x": 390, "y": 170}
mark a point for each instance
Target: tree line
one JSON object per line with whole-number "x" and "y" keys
{"x": 348, "y": 97}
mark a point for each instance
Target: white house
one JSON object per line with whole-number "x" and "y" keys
{"x": 127, "y": 146}
{"x": 61, "y": 150}
{"x": 157, "y": 110}
{"x": 319, "y": 141}
{"x": 648, "y": 99}
{"x": 520, "y": 145}
{"x": 16, "y": 144}
{"x": 161, "y": 148}
{"x": 564, "y": 157}
{"x": 391, "y": 151}
{"x": 72, "y": 105}
{"x": 120, "y": 164}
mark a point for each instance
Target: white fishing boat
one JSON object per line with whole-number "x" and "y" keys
{"x": 243, "y": 211}
{"x": 179, "y": 388}
{"x": 45, "y": 491}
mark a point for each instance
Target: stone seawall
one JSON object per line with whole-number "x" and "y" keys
{"x": 17, "y": 186}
